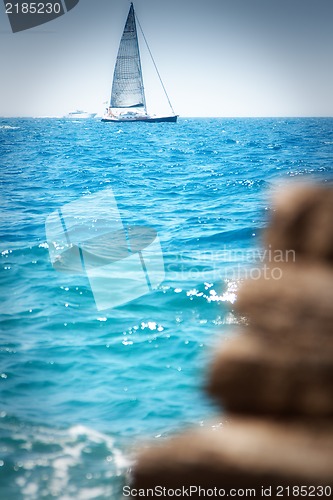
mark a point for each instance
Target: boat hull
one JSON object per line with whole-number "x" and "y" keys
{"x": 80, "y": 116}
{"x": 151, "y": 119}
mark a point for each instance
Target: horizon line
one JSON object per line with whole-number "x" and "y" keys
{"x": 179, "y": 117}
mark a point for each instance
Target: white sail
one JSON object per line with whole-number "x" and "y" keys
{"x": 127, "y": 86}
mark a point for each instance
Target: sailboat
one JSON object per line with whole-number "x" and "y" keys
{"x": 128, "y": 100}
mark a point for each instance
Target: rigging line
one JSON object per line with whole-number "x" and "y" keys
{"x": 151, "y": 55}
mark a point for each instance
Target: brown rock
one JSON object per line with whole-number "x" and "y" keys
{"x": 303, "y": 221}
{"x": 282, "y": 368}
{"x": 295, "y": 311}
{"x": 247, "y": 454}
{"x": 248, "y": 376}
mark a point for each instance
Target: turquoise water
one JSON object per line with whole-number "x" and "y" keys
{"x": 79, "y": 387}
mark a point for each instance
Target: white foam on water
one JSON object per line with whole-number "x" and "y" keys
{"x": 70, "y": 462}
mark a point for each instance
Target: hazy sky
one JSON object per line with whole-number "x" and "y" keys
{"x": 216, "y": 58}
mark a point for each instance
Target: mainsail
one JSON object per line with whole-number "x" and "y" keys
{"x": 127, "y": 86}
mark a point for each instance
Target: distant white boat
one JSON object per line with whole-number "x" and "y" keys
{"x": 128, "y": 100}
{"x": 80, "y": 115}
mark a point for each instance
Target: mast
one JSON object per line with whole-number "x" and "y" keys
{"x": 127, "y": 86}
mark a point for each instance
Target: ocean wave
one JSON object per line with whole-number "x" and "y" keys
{"x": 223, "y": 237}
{"x": 77, "y": 462}
{"x": 135, "y": 370}
{"x": 8, "y": 127}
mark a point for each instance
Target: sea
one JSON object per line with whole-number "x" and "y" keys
{"x": 83, "y": 388}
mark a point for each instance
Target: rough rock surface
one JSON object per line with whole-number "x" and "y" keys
{"x": 248, "y": 453}
{"x": 295, "y": 311}
{"x": 249, "y": 376}
{"x": 303, "y": 222}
